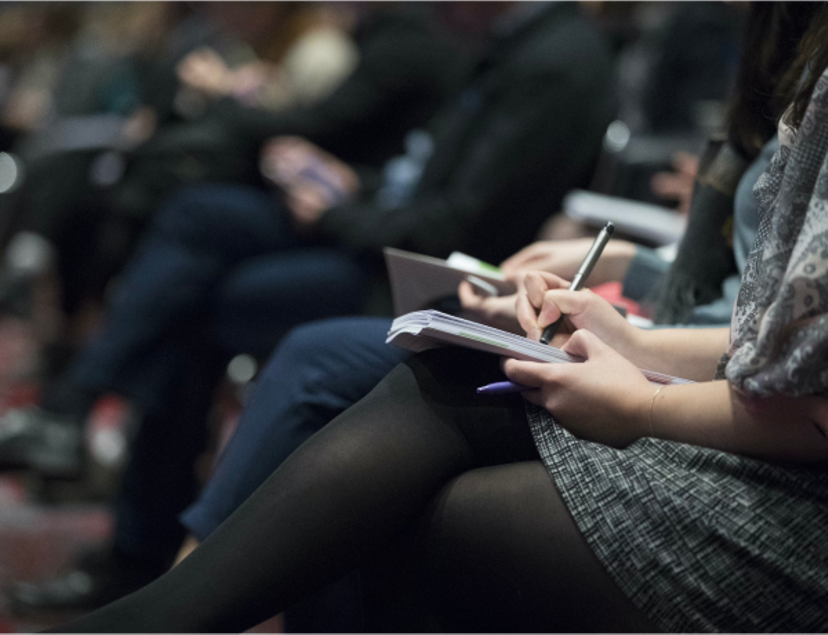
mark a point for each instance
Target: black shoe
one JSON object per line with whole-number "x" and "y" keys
{"x": 97, "y": 579}
{"x": 34, "y": 439}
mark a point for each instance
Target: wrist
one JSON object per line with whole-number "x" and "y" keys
{"x": 638, "y": 412}
{"x": 657, "y": 395}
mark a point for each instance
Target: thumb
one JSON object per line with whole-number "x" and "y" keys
{"x": 468, "y": 298}
{"x": 585, "y": 344}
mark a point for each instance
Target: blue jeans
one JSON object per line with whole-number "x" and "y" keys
{"x": 318, "y": 371}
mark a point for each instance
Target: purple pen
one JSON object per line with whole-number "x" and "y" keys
{"x": 501, "y": 388}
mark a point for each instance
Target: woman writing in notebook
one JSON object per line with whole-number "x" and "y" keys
{"x": 621, "y": 506}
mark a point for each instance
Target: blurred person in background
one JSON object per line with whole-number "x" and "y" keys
{"x": 394, "y": 87}
{"x": 576, "y": 511}
{"x": 536, "y": 105}
{"x": 93, "y": 102}
{"x": 313, "y": 56}
{"x": 79, "y": 213}
{"x": 74, "y": 219}
{"x": 676, "y": 64}
{"x": 307, "y": 383}
{"x": 684, "y": 58}
{"x": 34, "y": 41}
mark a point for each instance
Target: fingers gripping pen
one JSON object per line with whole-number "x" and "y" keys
{"x": 580, "y": 278}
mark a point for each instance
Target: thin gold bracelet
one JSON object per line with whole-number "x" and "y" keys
{"x": 652, "y": 403}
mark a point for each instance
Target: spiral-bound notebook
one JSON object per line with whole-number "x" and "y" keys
{"x": 422, "y": 330}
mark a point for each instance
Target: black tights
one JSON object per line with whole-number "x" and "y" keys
{"x": 422, "y": 458}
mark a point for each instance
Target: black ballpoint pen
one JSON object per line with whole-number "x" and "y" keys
{"x": 578, "y": 281}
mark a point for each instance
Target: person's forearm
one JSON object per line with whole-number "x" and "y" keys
{"x": 687, "y": 353}
{"x": 712, "y": 414}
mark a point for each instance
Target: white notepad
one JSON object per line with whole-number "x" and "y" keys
{"x": 423, "y": 330}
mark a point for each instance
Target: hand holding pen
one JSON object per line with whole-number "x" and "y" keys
{"x": 580, "y": 278}
{"x": 546, "y": 298}
{"x": 536, "y": 302}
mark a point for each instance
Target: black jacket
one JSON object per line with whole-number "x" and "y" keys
{"x": 407, "y": 68}
{"x": 526, "y": 129}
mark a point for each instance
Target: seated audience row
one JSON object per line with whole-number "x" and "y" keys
{"x": 592, "y": 500}
{"x": 230, "y": 268}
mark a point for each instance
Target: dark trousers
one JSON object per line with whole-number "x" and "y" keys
{"x": 220, "y": 272}
{"x": 222, "y": 259}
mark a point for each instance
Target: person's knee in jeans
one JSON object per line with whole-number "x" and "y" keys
{"x": 333, "y": 363}
{"x": 318, "y": 371}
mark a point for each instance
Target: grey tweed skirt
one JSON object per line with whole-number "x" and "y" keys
{"x": 699, "y": 540}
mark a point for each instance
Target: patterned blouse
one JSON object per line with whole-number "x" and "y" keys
{"x": 779, "y": 331}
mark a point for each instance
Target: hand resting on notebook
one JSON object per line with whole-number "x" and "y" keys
{"x": 497, "y": 311}
{"x": 605, "y": 399}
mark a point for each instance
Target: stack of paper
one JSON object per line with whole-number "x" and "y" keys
{"x": 422, "y": 330}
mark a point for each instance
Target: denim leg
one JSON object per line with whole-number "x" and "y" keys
{"x": 265, "y": 297}
{"x": 318, "y": 371}
{"x": 199, "y": 235}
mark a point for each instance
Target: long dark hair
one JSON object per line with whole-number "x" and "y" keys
{"x": 774, "y": 54}
{"x": 798, "y": 83}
